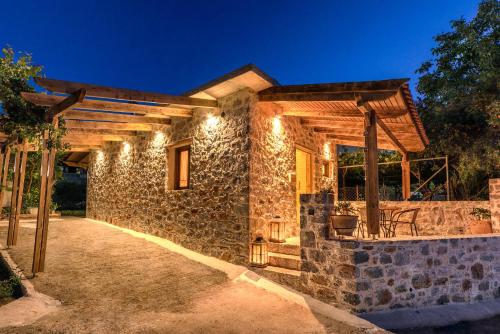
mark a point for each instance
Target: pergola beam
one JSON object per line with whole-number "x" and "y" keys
{"x": 113, "y": 117}
{"x": 68, "y": 87}
{"x": 323, "y": 96}
{"x": 391, "y": 136}
{"x": 70, "y": 101}
{"x": 78, "y": 124}
{"x": 113, "y": 106}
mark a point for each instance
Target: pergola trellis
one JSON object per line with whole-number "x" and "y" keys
{"x": 370, "y": 114}
{"x": 93, "y": 115}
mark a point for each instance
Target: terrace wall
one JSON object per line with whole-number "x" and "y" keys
{"x": 365, "y": 276}
{"x": 437, "y": 218}
{"x": 495, "y": 204}
{"x": 130, "y": 189}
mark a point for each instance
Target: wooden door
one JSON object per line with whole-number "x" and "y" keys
{"x": 303, "y": 172}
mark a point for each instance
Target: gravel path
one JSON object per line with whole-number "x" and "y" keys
{"x": 111, "y": 282}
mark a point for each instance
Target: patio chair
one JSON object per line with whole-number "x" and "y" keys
{"x": 404, "y": 217}
{"x": 361, "y": 222}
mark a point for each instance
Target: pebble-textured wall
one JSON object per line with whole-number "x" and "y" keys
{"x": 130, "y": 188}
{"x": 365, "y": 276}
{"x": 437, "y": 218}
{"x": 272, "y": 166}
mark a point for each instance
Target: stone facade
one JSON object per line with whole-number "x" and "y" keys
{"x": 365, "y": 275}
{"x": 272, "y": 166}
{"x": 127, "y": 183}
{"x": 240, "y": 174}
{"x": 439, "y": 217}
{"x": 495, "y": 204}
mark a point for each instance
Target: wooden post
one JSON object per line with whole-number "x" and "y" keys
{"x": 5, "y": 174}
{"x": 42, "y": 223}
{"x": 371, "y": 172}
{"x": 20, "y": 189}
{"x": 405, "y": 177}
{"x": 14, "y": 197}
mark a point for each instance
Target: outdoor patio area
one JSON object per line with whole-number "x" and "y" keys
{"x": 110, "y": 281}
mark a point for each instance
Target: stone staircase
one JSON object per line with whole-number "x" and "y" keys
{"x": 284, "y": 263}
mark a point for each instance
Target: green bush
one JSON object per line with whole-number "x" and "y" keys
{"x": 10, "y": 287}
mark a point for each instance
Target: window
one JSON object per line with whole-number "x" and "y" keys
{"x": 181, "y": 177}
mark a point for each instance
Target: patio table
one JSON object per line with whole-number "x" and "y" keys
{"x": 386, "y": 215}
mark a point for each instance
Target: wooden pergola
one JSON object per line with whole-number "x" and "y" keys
{"x": 93, "y": 115}
{"x": 372, "y": 114}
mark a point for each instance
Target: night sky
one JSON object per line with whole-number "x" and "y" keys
{"x": 174, "y": 46}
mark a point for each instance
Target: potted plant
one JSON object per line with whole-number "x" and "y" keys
{"x": 344, "y": 221}
{"x": 482, "y": 222}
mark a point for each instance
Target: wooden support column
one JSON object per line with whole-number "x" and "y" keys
{"x": 42, "y": 222}
{"x": 17, "y": 193}
{"x": 405, "y": 175}
{"x": 5, "y": 173}
{"x": 371, "y": 171}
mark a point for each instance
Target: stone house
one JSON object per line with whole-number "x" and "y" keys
{"x": 212, "y": 181}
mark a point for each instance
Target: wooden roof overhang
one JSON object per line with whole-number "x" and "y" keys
{"x": 337, "y": 110}
{"x": 95, "y": 114}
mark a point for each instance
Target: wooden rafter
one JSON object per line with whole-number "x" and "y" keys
{"x": 114, "y": 106}
{"x": 114, "y": 117}
{"x": 91, "y": 132}
{"x": 66, "y": 103}
{"x": 68, "y": 87}
{"x": 77, "y": 124}
{"x": 322, "y": 96}
{"x": 391, "y": 136}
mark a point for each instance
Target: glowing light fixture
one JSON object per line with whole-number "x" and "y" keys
{"x": 126, "y": 147}
{"x": 277, "y": 230}
{"x": 259, "y": 251}
{"x": 158, "y": 139}
{"x": 327, "y": 151}
{"x": 277, "y": 124}
{"x": 212, "y": 120}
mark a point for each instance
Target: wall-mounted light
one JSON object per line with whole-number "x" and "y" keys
{"x": 327, "y": 151}
{"x": 277, "y": 125}
{"x": 158, "y": 139}
{"x": 212, "y": 120}
{"x": 126, "y": 147}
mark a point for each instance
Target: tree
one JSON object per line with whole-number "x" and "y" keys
{"x": 459, "y": 100}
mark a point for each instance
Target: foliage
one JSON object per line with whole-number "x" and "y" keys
{"x": 21, "y": 119}
{"x": 344, "y": 208}
{"x": 70, "y": 195}
{"x": 459, "y": 103}
{"x": 10, "y": 287}
{"x": 481, "y": 214}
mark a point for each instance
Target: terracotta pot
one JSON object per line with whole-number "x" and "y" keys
{"x": 344, "y": 224}
{"x": 480, "y": 227}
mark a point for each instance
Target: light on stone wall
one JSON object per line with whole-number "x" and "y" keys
{"x": 126, "y": 148}
{"x": 100, "y": 157}
{"x": 327, "y": 151}
{"x": 277, "y": 125}
{"x": 212, "y": 120}
{"x": 158, "y": 139}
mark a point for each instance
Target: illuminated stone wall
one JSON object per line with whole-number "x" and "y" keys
{"x": 495, "y": 204}
{"x": 367, "y": 275}
{"x": 127, "y": 183}
{"x": 272, "y": 166}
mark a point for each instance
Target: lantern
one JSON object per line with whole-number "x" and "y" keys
{"x": 277, "y": 230}
{"x": 259, "y": 253}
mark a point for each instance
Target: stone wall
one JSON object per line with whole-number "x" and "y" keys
{"x": 365, "y": 276}
{"x": 495, "y": 204}
{"x": 272, "y": 166}
{"x": 127, "y": 183}
{"x": 439, "y": 217}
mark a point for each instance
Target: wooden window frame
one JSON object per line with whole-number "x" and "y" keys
{"x": 177, "y": 164}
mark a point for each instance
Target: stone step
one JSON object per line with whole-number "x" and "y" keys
{"x": 284, "y": 260}
{"x": 284, "y": 248}
{"x": 279, "y": 275}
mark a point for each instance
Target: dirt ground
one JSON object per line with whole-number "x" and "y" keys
{"x": 111, "y": 282}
